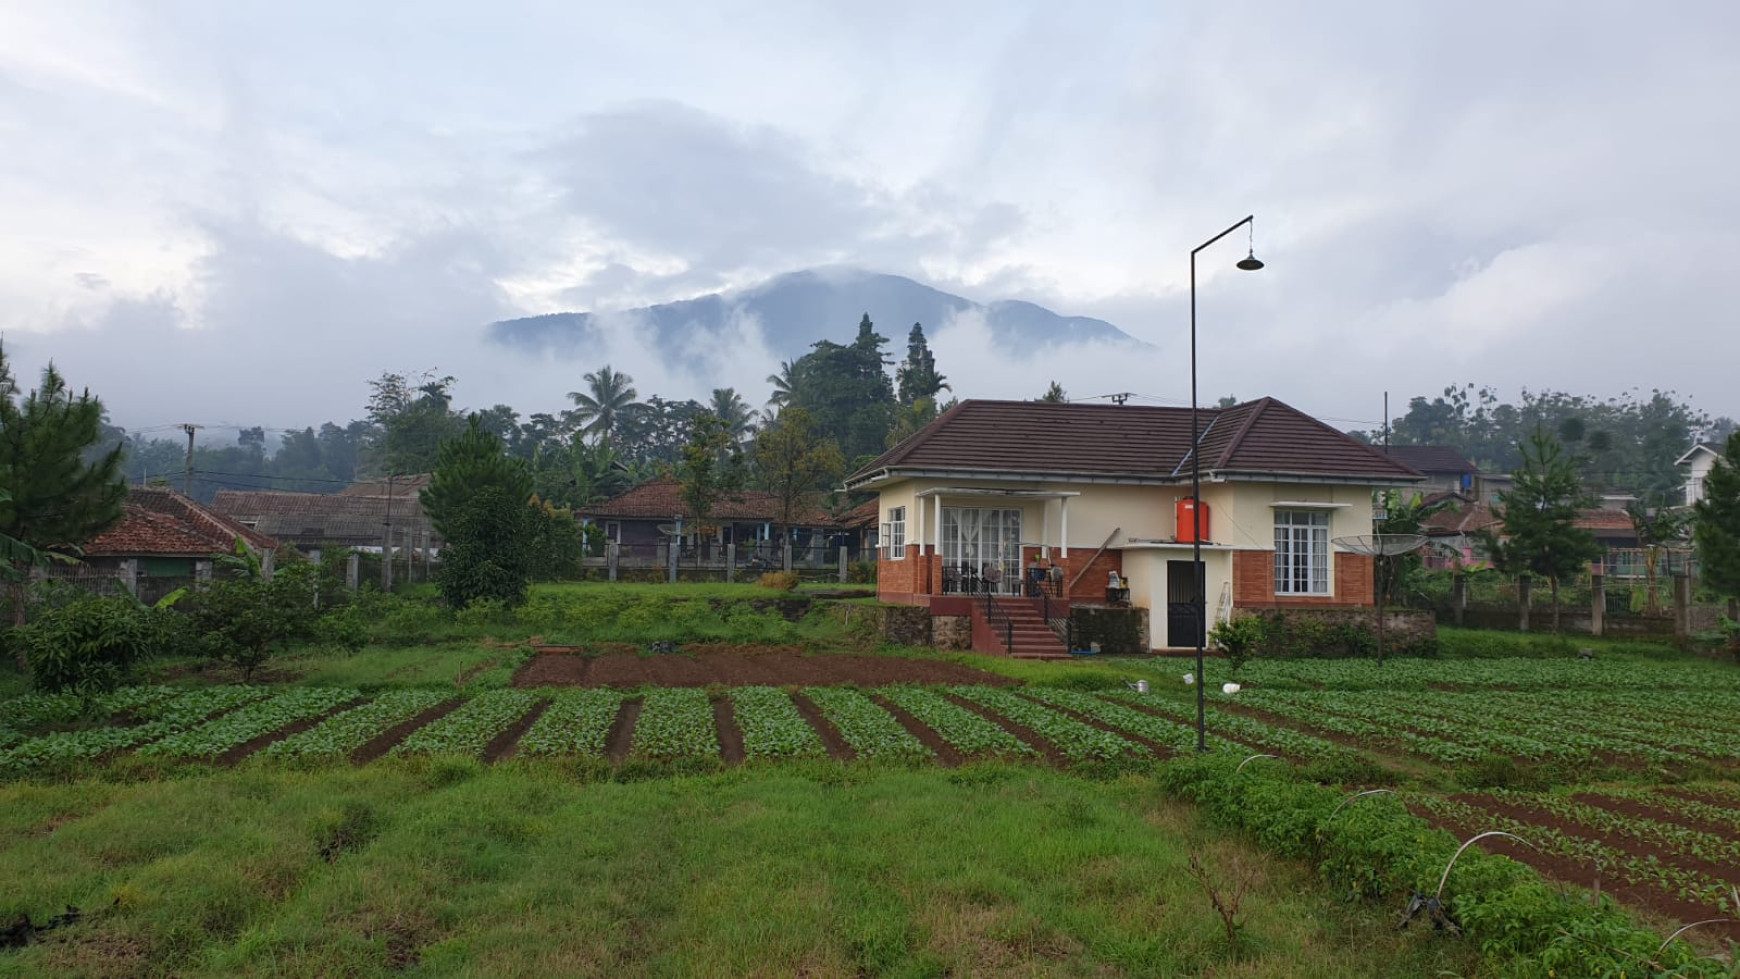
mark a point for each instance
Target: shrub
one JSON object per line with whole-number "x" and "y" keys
{"x": 489, "y": 550}
{"x": 1239, "y": 638}
{"x": 779, "y": 580}
{"x": 242, "y": 621}
{"x": 89, "y": 647}
{"x": 862, "y": 573}
{"x": 343, "y": 629}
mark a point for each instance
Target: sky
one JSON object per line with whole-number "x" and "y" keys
{"x": 237, "y": 213}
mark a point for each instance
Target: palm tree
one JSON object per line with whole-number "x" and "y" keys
{"x": 784, "y": 383}
{"x": 612, "y": 395}
{"x": 728, "y": 405}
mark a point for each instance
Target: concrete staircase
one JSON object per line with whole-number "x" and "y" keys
{"x": 1033, "y": 638}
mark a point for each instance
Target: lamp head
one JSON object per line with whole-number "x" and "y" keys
{"x": 1250, "y": 263}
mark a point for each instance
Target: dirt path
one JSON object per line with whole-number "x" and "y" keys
{"x": 1021, "y": 731}
{"x": 247, "y": 748}
{"x": 837, "y": 747}
{"x": 946, "y": 754}
{"x": 384, "y": 742}
{"x": 502, "y": 746}
{"x": 774, "y": 667}
{"x": 730, "y": 735}
{"x": 621, "y": 739}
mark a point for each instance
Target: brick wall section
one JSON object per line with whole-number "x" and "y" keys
{"x": 1254, "y": 582}
{"x": 898, "y": 581}
{"x": 1093, "y": 584}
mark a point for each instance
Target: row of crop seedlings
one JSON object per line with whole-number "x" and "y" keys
{"x": 470, "y": 728}
{"x": 1077, "y": 741}
{"x": 676, "y": 723}
{"x": 1687, "y": 807}
{"x": 21, "y": 717}
{"x": 870, "y": 731}
{"x": 772, "y": 726}
{"x": 160, "y": 716}
{"x": 963, "y": 730}
{"x": 1156, "y": 729}
{"x": 577, "y": 722}
{"x": 1224, "y": 726}
{"x": 342, "y": 734}
{"x": 250, "y": 722}
{"x": 1440, "y": 743}
{"x": 1473, "y": 731}
{"x": 1628, "y": 868}
{"x": 1571, "y": 729}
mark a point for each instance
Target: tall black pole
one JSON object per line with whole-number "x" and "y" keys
{"x": 1199, "y": 593}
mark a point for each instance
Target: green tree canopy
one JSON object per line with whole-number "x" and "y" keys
{"x": 600, "y": 409}
{"x": 468, "y": 465}
{"x": 1716, "y": 524}
{"x": 52, "y": 497}
{"x": 411, "y": 422}
{"x": 1539, "y": 514}
{"x": 795, "y": 463}
{"x": 1054, "y": 394}
{"x": 491, "y": 549}
{"x": 847, "y": 392}
{"x": 711, "y": 469}
{"x": 917, "y": 376}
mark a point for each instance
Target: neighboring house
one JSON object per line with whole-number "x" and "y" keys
{"x": 973, "y": 498}
{"x": 1453, "y": 534}
{"x": 645, "y": 519}
{"x": 312, "y": 521}
{"x": 1448, "y": 471}
{"x": 1698, "y": 462}
{"x": 863, "y": 522}
{"x": 164, "y": 541}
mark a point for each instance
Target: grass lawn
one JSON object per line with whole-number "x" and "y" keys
{"x": 450, "y": 868}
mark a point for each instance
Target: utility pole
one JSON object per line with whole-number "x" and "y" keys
{"x": 187, "y": 479}
{"x": 387, "y": 542}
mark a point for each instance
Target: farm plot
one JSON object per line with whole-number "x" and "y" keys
{"x": 772, "y": 726}
{"x": 1674, "y": 871}
{"x": 471, "y": 728}
{"x": 577, "y": 722}
{"x": 345, "y": 733}
{"x": 260, "y": 720}
{"x": 1229, "y": 731}
{"x": 963, "y": 730}
{"x": 868, "y": 729}
{"x": 1075, "y": 740}
{"x": 160, "y": 717}
{"x": 676, "y": 724}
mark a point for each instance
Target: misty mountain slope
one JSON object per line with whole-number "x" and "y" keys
{"x": 796, "y": 310}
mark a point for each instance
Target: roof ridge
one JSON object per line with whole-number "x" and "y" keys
{"x": 1257, "y": 409}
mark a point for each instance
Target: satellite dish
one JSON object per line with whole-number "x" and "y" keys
{"x": 669, "y": 529}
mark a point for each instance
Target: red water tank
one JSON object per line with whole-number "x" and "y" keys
{"x": 1186, "y": 530}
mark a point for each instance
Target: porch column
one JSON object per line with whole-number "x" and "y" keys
{"x": 936, "y": 531}
{"x": 918, "y": 526}
{"x": 1044, "y": 528}
{"x": 1063, "y": 538}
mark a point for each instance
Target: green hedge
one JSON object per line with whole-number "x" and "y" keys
{"x": 1495, "y": 644}
{"x": 1377, "y": 850}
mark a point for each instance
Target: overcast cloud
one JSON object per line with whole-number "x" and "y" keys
{"x": 237, "y": 213}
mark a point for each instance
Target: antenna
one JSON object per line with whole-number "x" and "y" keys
{"x": 1119, "y": 399}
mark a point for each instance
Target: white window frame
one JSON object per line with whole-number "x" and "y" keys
{"x": 1307, "y": 529}
{"x": 896, "y": 536}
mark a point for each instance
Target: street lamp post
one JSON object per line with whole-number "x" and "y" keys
{"x": 1249, "y": 263}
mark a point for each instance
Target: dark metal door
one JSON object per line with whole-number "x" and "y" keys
{"x": 1183, "y": 629}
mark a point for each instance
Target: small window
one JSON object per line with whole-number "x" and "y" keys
{"x": 1301, "y": 552}
{"x": 896, "y": 535}
{"x": 613, "y": 532}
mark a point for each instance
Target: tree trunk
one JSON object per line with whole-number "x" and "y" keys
{"x": 1651, "y": 558}
{"x": 17, "y": 590}
{"x": 1555, "y": 589}
{"x": 1522, "y": 594}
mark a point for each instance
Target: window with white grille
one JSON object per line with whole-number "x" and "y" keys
{"x": 896, "y": 535}
{"x": 1301, "y": 552}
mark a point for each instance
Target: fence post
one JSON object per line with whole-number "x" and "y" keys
{"x": 1458, "y": 596}
{"x": 1522, "y": 594}
{"x": 842, "y": 564}
{"x": 1682, "y": 606}
{"x": 730, "y": 562}
{"x": 130, "y": 574}
{"x": 202, "y": 571}
{"x": 611, "y": 551}
{"x": 268, "y": 564}
{"x": 785, "y": 554}
{"x": 352, "y": 570}
{"x": 1597, "y": 601}
{"x": 675, "y": 550}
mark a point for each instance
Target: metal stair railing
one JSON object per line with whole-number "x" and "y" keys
{"x": 992, "y": 614}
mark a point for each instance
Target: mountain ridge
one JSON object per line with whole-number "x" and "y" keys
{"x": 797, "y": 309}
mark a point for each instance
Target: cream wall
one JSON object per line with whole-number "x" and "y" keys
{"x": 1239, "y": 514}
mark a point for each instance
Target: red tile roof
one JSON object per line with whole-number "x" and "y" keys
{"x": 1602, "y": 523}
{"x": 409, "y": 485}
{"x": 662, "y": 499}
{"x": 865, "y": 514}
{"x": 1263, "y": 437}
{"x": 161, "y": 522}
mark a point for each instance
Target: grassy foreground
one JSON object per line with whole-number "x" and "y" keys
{"x": 448, "y": 868}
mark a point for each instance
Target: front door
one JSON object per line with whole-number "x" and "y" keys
{"x": 981, "y": 550}
{"x": 1183, "y": 629}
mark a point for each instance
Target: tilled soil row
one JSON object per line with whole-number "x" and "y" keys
{"x": 1656, "y": 899}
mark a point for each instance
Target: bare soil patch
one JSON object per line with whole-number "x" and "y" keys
{"x": 946, "y": 755}
{"x": 764, "y": 666}
{"x": 504, "y": 743}
{"x": 837, "y": 747}
{"x": 730, "y": 735}
{"x": 385, "y": 741}
{"x": 621, "y": 738}
{"x": 1021, "y": 731}
{"x": 247, "y": 748}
